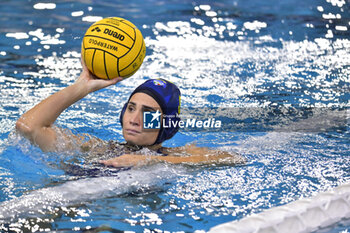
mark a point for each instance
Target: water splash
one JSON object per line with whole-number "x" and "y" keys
{"x": 74, "y": 192}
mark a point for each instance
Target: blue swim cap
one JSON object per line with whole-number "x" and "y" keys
{"x": 168, "y": 97}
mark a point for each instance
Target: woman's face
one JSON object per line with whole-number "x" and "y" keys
{"x": 133, "y": 130}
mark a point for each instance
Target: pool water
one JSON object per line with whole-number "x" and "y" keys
{"x": 255, "y": 57}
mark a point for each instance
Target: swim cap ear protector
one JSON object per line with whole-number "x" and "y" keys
{"x": 168, "y": 97}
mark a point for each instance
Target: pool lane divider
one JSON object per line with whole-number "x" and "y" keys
{"x": 301, "y": 216}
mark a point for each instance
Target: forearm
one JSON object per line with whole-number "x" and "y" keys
{"x": 215, "y": 157}
{"x": 135, "y": 160}
{"x": 177, "y": 159}
{"x": 46, "y": 112}
{"x": 202, "y": 159}
{"x": 200, "y": 155}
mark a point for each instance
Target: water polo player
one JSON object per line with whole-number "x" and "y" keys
{"x": 37, "y": 125}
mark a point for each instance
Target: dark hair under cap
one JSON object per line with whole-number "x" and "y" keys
{"x": 168, "y": 97}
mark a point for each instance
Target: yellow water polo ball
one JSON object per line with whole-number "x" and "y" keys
{"x": 113, "y": 47}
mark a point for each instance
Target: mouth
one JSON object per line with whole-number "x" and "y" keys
{"x": 132, "y": 131}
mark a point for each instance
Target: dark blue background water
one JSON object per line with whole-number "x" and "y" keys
{"x": 235, "y": 54}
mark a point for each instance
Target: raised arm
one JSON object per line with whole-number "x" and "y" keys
{"x": 37, "y": 123}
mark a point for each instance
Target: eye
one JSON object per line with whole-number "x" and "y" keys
{"x": 131, "y": 108}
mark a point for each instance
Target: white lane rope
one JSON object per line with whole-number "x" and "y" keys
{"x": 301, "y": 216}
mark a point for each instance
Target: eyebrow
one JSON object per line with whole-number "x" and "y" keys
{"x": 144, "y": 107}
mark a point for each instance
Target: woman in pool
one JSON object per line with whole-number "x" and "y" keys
{"x": 153, "y": 95}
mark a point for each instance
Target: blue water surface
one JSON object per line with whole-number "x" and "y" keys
{"x": 250, "y": 57}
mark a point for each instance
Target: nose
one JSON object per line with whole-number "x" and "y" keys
{"x": 135, "y": 118}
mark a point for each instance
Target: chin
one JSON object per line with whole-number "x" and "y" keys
{"x": 137, "y": 140}
{"x": 133, "y": 141}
